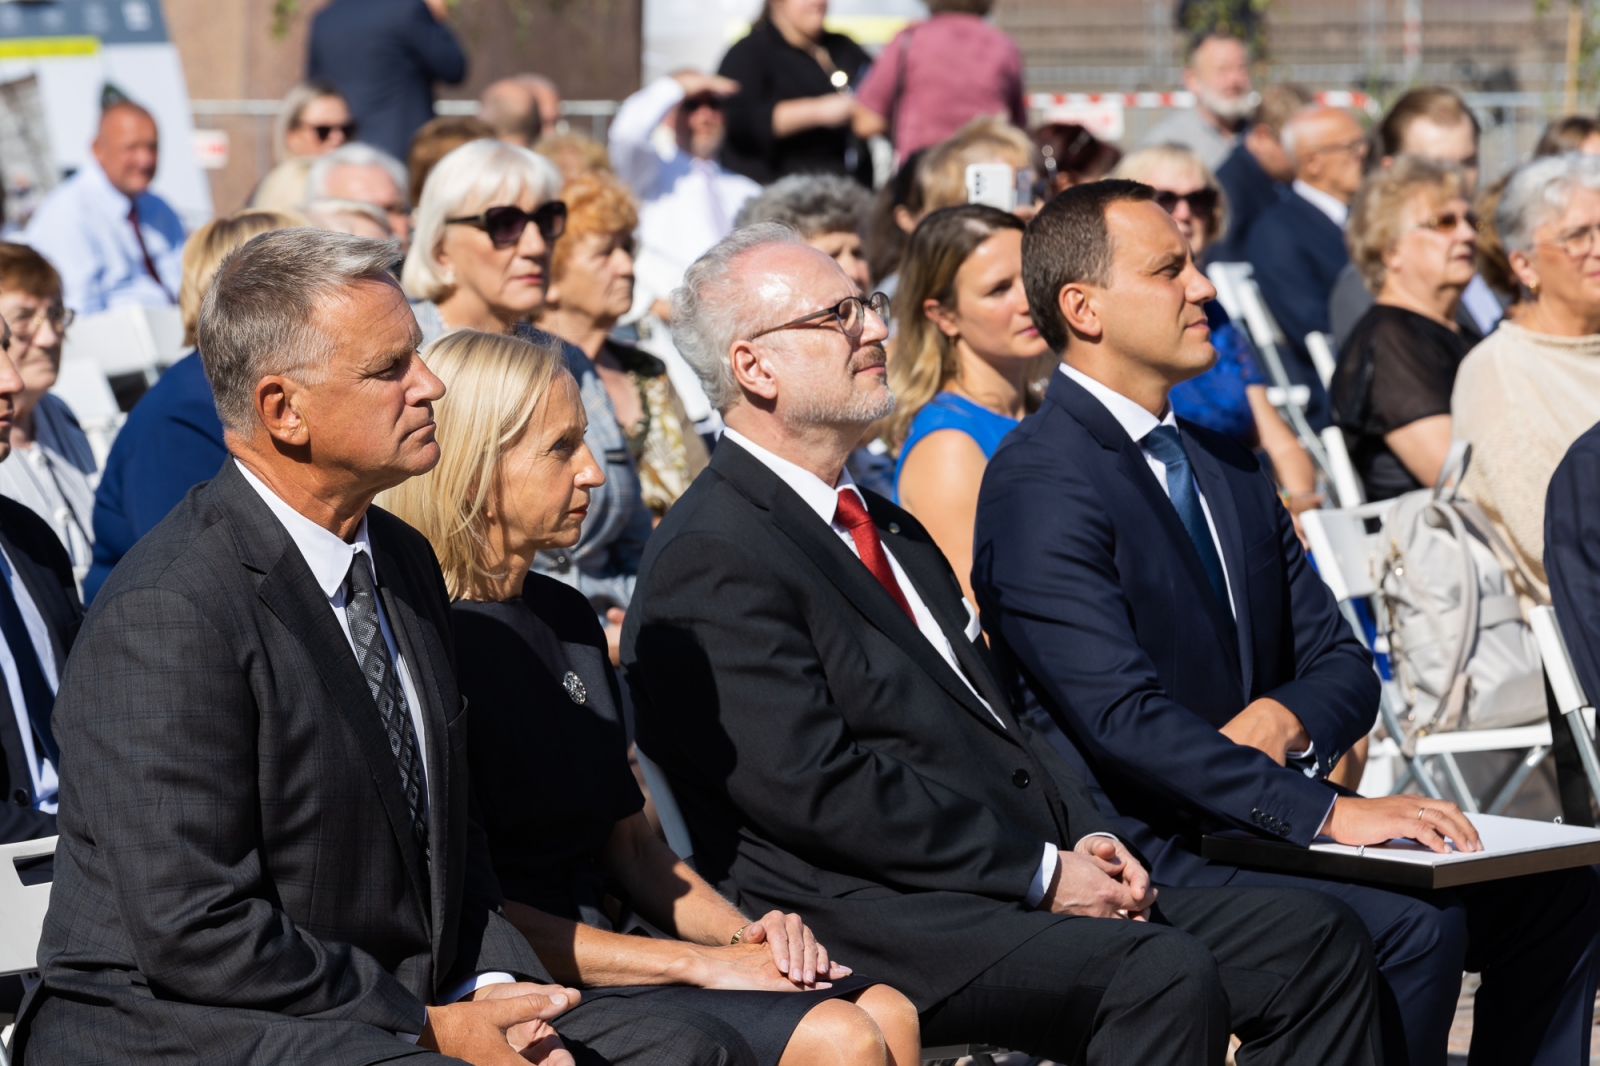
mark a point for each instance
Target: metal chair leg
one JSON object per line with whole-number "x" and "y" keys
{"x": 1463, "y": 794}
{"x": 1586, "y": 751}
{"x": 1518, "y": 776}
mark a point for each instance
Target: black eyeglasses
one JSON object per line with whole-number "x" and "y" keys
{"x": 324, "y": 132}
{"x": 505, "y": 225}
{"x": 851, "y": 313}
{"x": 1202, "y": 202}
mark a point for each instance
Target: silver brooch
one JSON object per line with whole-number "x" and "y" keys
{"x": 574, "y": 686}
{"x": 894, "y": 527}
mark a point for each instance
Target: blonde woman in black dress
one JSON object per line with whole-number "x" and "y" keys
{"x": 574, "y": 854}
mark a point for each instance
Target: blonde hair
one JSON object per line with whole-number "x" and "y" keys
{"x": 294, "y": 106}
{"x": 476, "y": 176}
{"x": 1146, "y": 161}
{"x": 495, "y": 386}
{"x": 942, "y": 174}
{"x": 209, "y": 245}
{"x": 1375, "y": 216}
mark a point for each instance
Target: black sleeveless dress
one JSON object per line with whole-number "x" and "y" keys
{"x": 547, "y": 751}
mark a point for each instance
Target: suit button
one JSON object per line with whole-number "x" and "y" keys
{"x": 1020, "y": 779}
{"x": 20, "y": 798}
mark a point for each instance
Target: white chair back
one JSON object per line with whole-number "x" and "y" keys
{"x": 1341, "y": 471}
{"x": 672, "y": 823}
{"x": 22, "y": 907}
{"x": 1557, "y": 663}
{"x": 1320, "y": 347}
{"x": 1341, "y": 544}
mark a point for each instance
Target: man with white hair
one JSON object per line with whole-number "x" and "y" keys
{"x": 1297, "y": 245}
{"x": 368, "y": 175}
{"x": 1218, "y": 74}
{"x": 809, "y": 676}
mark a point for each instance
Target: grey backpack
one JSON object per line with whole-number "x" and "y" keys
{"x": 1462, "y": 655}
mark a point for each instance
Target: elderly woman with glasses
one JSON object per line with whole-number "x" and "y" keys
{"x": 52, "y": 468}
{"x": 1231, "y": 397}
{"x": 1533, "y": 386}
{"x": 480, "y": 259}
{"x": 1413, "y": 237}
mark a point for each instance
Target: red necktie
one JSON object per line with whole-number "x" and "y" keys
{"x": 149, "y": 263}
{"x": 852, "y": 514}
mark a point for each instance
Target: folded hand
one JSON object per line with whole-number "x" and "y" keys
{"x": 794, "y": 949}
{"x": 501, "y": 1025}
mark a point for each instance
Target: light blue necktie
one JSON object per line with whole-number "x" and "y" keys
{"x": 1164, "y": 443}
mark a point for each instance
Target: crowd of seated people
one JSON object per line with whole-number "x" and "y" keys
{"x": 939, "y": 564}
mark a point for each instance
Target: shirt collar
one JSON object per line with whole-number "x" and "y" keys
{"x": 326, "y": 555}
{"x": 1134, "y": 419}
{"x": 104, "y": 189}
{"x": 817, "y": 493}
{"x": 1336, "y": 209}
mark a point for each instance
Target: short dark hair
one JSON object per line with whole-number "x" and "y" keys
{"x": 1067, "y": 241}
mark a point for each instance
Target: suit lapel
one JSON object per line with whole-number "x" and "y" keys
{"x": 291, "y": 593}
{"x": 800, "y": 524}
{"x": 1130, "y": 463}
{"x": 1225, "y": 513}
{"x": 44, "y": 592}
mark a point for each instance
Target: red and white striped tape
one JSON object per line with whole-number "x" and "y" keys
{"x": 1044, "y": 101}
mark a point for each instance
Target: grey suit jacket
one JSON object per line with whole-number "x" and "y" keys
{"x": 236, "y": 880}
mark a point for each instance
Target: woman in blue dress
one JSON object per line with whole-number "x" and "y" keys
{"x": 967, "y": 366}
{"x": 1231, "y": 397}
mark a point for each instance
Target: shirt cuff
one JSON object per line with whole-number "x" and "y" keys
{"x": 1041, "y": 880}
{"x": 464, "y": 989}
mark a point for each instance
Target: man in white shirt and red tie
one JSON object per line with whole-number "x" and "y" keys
{"x": 806, "y": 672}
{"x": 114, "y": 241}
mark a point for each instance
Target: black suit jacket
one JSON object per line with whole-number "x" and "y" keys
{"x": 1298, "y": 252}
{"x": 45, "y": 571}
{"x": 1100, "y": 610}
{"x": 1572, "y": 554}
{"x": 826, "y": 757}
{"x": 236, "y": 879}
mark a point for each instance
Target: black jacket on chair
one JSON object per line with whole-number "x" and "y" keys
{"x": 45, "y": 571}
{"x": 1100, "y": 610}
{"x": 236, "y": 879}
{"x": 827, "y": 759}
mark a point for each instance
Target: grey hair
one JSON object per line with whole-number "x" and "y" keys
{"x": 709, "y": 312}
{"x": 354, "y": 154}
{"x": 325, "y": 214}
{"x": 813, "y": 204}
{"x": 259, "y": 316}
{"x": 1538, "y": 191}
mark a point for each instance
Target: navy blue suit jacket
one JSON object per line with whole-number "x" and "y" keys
{"x": 1250, "y": 191}
{"x": 1298, "y": 252}
{"x": 385, "y": 55}
{"x": 171, "y": 442}
{"x": 1101, "y": 615}
{"x": 1572, "y": 554}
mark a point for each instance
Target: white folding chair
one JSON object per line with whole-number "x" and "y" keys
{"x": 1571, "y": 701}
{"x": 1341, "y": 544}
{"x": 1320, "y": 347}
{"x": 667, "y": 809}
{"x": 22, "y": 910}
{"x": 1347, "y": 490}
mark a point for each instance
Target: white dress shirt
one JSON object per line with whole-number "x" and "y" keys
{"x": 83, "y": 229}
{"x": 329, "y": 559}
{"x": 685, "y": 204}
{"x": 41, "y": 771}
{"x": 824, "y": 500}
{"x": 1337, "y": 210}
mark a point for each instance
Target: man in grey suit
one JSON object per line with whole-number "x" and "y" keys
{"x": 265, "y": 854}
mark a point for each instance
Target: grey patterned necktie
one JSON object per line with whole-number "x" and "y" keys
{"x": 372, "y": 653}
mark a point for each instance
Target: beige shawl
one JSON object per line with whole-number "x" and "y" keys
{"x": 1521, "y": 398}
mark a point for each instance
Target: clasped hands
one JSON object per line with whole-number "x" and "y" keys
{"x": 776, "y": 953}
{"x": 1270, "y": 727}
{"x": 1099, "y": 878}
{"x": 502, "y": 1025}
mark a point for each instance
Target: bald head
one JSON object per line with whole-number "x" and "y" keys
{"x": 520, "y": 108}
{"x": 1328, "y": 147}
{"x": 127, "y": 147}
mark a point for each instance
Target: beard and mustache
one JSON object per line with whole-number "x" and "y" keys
{"x": 857, "y": 408}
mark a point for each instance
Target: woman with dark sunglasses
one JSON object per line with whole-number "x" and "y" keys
{"x": 1231, "y": 397}
{"x": 313, "y": 121}
{"x": 480, "y": 258}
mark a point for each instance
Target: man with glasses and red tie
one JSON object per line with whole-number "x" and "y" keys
{"x": 808, "y": 675}
{"x": 115, "y": 242}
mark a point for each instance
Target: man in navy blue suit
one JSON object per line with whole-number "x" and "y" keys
{"x": 1144, "y": 590}
{"x": 1256, "y": 174}
{"x": 1297, "y": 245}
{"x": 385, "y": 55}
